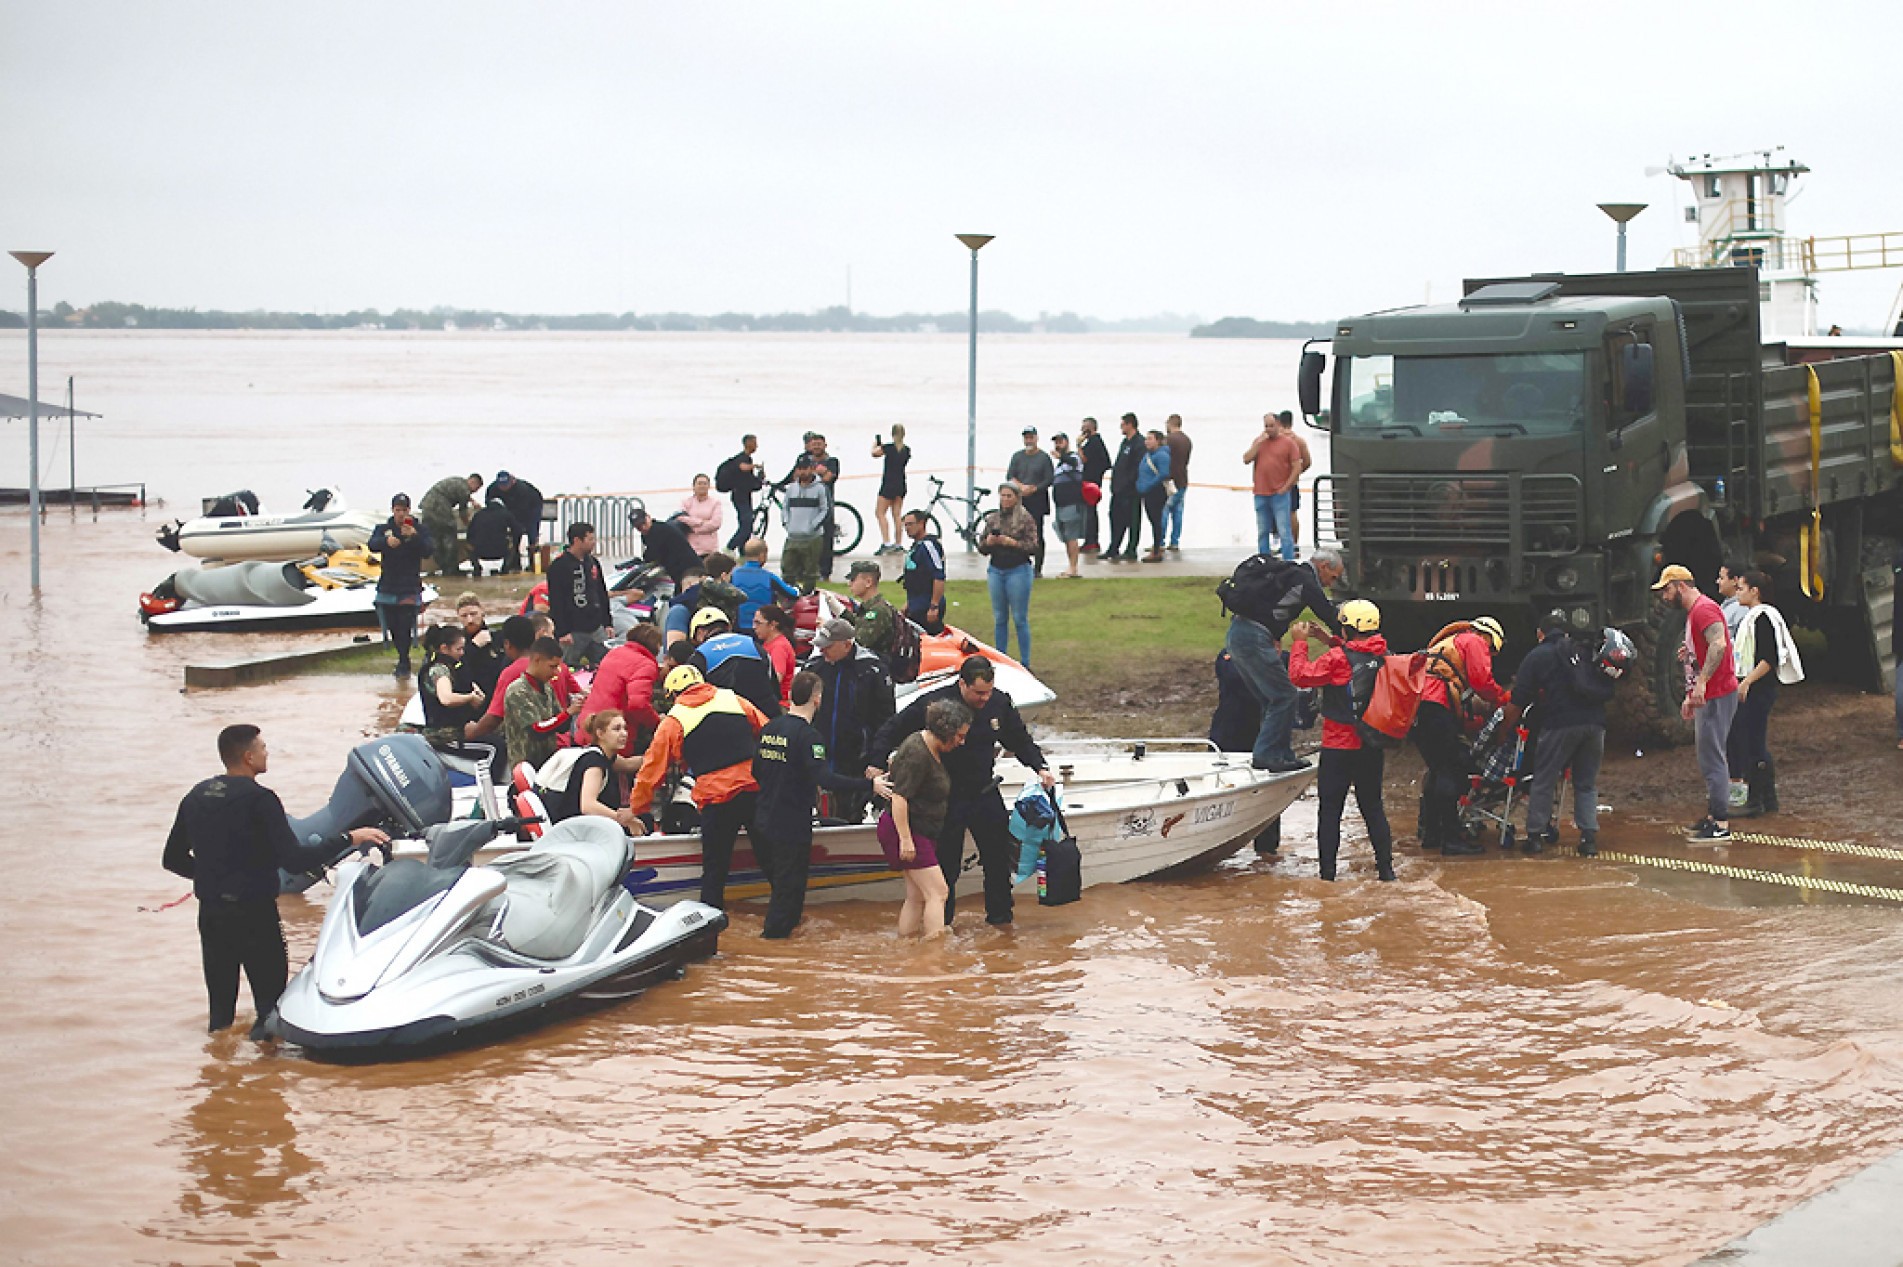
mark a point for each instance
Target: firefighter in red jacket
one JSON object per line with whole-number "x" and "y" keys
{"x": 1460, "y": 695}
{"x": 1346, "y": 673}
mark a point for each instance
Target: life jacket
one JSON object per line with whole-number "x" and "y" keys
{"x": 718, "y": 649}
{"x": 436, "y": 714}
{"x": 715, "y": 732}
{"x": 1447, "y": 660}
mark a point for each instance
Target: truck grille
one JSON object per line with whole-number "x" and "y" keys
{"x": 1465, "y": 513}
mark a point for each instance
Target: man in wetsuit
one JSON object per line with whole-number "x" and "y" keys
{"x": 229, "y": 839}
{"x": 975, "y": 803}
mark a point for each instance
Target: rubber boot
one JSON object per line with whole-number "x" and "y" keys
{"x": 1268, "y": 841}
{"x": 1753, "y": 795}
{"x": 1425, "y": 828}
{"x": 1588, "y": 844}
{"x": 1767, "y": 794}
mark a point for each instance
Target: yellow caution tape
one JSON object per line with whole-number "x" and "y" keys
{"x": 1849, "y": 847}
{"x": 1811, "y": 540}
{"x": 1809, "y": 882}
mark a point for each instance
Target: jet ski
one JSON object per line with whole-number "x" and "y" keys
{"x": 333, "y": 589}
{"x": 247, "y": 535}
{"x": 419, "y": 954}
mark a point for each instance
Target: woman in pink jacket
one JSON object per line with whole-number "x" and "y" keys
{"x": 702, "y": 523}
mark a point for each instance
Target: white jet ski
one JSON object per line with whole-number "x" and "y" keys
{"x": 417, "y": 955}
{"x": 330, "y": 591}
{"x": 280, "y": 538}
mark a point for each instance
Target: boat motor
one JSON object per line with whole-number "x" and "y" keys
{"x": 397, "y": 783}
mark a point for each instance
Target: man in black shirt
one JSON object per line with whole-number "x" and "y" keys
{"x": 492, "y": 534}
{"x": 1125, "y": 501}
{"x": 578, "y": 599}
{"x": 790, "y": 768}
{"x": 975, "y": 802}
{"x": 924, "y": 575}
{"x": 664, "y": 543}
{"x": 739, "y": 477}
{"x": 1096, "y": 458}
{"x": 229, "y": 839}
{"x": 524, "y": 501}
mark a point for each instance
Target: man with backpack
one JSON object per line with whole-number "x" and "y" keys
{"x": 1352, "y": 755}
{"x": 739, "y": 477}
{"x": 1263, "y": 596}
{"x": 1460, "y": 690}
{"x": 1570, "y": 692}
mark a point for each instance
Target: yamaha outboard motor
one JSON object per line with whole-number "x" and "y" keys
{"x": 396, "y": 782}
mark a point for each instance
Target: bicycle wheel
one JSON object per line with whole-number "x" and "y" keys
{"x": 933, "y": 528}
{"x": 761, "y": 518}
{"x": 848, "y": 528}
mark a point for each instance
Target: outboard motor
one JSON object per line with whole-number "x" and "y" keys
{"x": 231, "y": 505}
{"x": 318, "y": 499}
{"x": 396, "y": 782}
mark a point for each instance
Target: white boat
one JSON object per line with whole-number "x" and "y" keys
{"x": 281, "y": 538}
{"x": 1139, "y": 809}
{"x": 334, "y": 592}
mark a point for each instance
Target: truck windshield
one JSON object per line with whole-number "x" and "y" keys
{"x": 1521, "y": 393}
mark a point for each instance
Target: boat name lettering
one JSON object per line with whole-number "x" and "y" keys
{"x": 1170, "y": 822}
{"x": 394, "y": 766}
{"x": 1211, "y": 813}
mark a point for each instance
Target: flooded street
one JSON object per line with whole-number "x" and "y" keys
{"x": 1505, "y": 1061}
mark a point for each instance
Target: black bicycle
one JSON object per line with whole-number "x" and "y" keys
{"x": 848, "y": 524}
{"x": 967, "y": 513}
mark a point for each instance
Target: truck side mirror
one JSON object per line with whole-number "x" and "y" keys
{"x": 1635, "y": 377}
{"x": 1308, "y": 383}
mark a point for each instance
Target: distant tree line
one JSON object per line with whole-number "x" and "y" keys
{"x": 113, "y": 315}
{"x": 1250, "y": 328}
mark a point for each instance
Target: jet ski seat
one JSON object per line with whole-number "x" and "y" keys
{"x": 556, "y": 885}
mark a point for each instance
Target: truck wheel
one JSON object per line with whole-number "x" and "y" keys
{"x": 1645, "y": 709}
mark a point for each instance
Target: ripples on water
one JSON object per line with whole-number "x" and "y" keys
{"x": 1503, "y": 1062}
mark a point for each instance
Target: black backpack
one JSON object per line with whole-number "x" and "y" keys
{"x": 727, "y": 474}
{"x": 1062, "y": 881}
{"x": 1260, "y": 590}
{"x": 906, "y": 652}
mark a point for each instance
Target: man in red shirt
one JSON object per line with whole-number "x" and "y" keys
{"x": 1711, "y": 693}
{"x": 516, "y": 640}
{"x": 1346, "y": 674}
{"x": 1278, "y": 462}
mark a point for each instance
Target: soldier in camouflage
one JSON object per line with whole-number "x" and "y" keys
{"x": 875, "y": 620}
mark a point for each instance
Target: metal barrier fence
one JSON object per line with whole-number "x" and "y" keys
{"x": 616, "y": 538}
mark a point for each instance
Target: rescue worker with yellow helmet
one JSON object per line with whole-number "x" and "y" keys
{"x": 1460, "y": 695}
{"x": 714, "y": 733}
{"x": 1345, "y": 672}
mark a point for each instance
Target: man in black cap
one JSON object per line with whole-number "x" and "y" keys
{"x": 857, "y": 702}
{"x": 807, "y": 518}
{"x": 1030, "y": 469}
{"x": 401, "y": 543}
{"x": 524, "y": 501}
{"x": 826, "y": 469}
{"x": 664, "y": 543}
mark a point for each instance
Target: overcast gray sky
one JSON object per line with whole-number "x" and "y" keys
{"x": 1278, "y": 160}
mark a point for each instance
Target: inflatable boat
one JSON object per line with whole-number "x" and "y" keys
{"x": 245, "y": 536}
{"x": 331, "y": 591}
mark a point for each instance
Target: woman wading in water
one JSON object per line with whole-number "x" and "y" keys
{"x": 908, "y": 832}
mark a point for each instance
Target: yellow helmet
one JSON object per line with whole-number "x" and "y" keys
{"x": 1360, "y": 615}
{"x": 1489, "y": 628}
{"x": 708, "y": 616}
{"x": 679, "y": 679}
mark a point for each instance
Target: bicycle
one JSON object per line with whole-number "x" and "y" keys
{"x": 848, "y": 525}
{"x": 971, "y": 508}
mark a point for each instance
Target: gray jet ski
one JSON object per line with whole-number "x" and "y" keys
{"x": 415, "y": 956}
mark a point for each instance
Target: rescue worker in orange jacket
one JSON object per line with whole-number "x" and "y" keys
{"x": 1346, "y": 673}
{"x": 1448, "y": 710}
{"x": 714, "y": 733}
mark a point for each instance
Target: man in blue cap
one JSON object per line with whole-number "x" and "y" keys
{"x": 524, "y": 501}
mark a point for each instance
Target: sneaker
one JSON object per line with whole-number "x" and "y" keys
{"x": 1700, "y": 825}
{"x": 1285, "y": 767}
{"x": 1588, "y": 845}
{"x": 1712, "y": 831}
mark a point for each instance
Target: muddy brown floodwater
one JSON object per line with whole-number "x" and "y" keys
{"x": 1512, "y": 1061}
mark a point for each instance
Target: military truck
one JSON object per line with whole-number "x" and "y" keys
{"x": 1553, "y": 442}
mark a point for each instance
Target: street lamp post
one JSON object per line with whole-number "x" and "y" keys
{"x": 974, "y": 241}
{"x": 33, "y": 260}
{"x": 1622, "y": 212}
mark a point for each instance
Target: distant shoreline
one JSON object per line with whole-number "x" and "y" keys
{"x": 114, "y": 315}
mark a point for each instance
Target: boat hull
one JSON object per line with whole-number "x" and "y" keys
{"x": 329, "y": 609}
{"x": 1133, "y": 818}
{"x": 274, "y": 537}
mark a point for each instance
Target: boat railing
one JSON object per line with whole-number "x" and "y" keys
{"x": 1137, "y": 748}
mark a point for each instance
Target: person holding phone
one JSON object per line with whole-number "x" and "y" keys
{"x": 401, "y": 543}
{"x": 891, "y": 488}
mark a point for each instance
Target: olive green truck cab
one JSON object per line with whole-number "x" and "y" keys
{"x": 1553, "y": 442}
